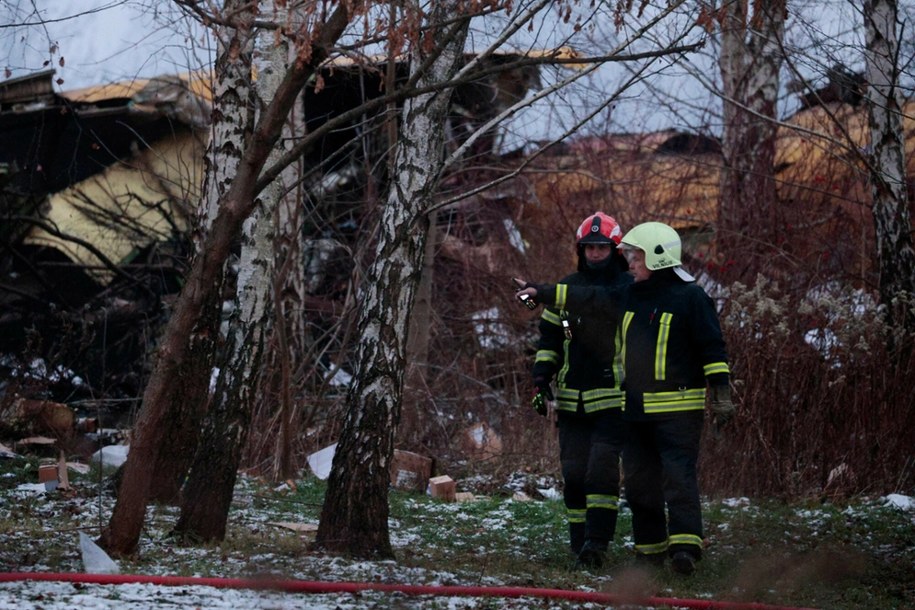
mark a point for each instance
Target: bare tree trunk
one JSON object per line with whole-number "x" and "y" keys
{"x": 418, "y": 342}
{"x": 190, "y": 398}
{"x": 354, "y": 518}
{"x": 204, "y": 502}
{"x": 287, "y": 339}
{"x": 208, "y": 492}
{"x": 892, "y": 220}
{"x": 288, "y": 328}
{"x": 750, "y": 60}
{"x": 123, "y": 531}
{"x": 246, "y": 379}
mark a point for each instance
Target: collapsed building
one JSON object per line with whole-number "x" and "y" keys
{"x": 99, "y": 189}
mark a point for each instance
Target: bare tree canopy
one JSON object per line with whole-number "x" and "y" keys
{"x": 374, "y": 172}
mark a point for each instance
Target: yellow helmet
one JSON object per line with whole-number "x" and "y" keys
{"x": 661, "y": 245}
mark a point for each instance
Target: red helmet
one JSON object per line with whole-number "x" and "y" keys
{"x": 598, "y": 228}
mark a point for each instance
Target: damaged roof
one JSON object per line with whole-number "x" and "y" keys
{"x": 117, "y": 167}
{"x": 113, "y": 169}
{"x": 49, "y": 140}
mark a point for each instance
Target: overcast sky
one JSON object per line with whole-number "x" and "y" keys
{"x": 99, "y": 41}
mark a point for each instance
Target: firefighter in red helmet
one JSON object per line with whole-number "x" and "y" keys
{"x": 675, "y": 362}
{"x": 579, "y": 354}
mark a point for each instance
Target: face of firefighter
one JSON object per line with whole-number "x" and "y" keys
{"x": 636, "y": 260}
{"x": 595, "y": 253}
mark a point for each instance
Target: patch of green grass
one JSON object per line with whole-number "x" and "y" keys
{"x": 837, "y": 556}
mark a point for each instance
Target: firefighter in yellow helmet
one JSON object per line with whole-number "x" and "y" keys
{"x": 579, "y": 353}
{"x": 674, "y": 357}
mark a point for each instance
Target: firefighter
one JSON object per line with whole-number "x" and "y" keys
{"x": 579, "y": 353}
{"x": 674, "y": 358}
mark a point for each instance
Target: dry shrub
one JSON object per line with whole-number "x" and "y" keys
{"x": 830, "y": 415}
{"x": 478, "y": 374}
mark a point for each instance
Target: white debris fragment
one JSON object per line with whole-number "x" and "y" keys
{"x": 95, "y": 560}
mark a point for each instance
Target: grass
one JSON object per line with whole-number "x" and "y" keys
{"x": 854, "y": 555}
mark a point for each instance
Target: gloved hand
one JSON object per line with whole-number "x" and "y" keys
{"x": 543, "y": 386}
{"x": 538, "y": 403}
{"x": 721, "y": 404}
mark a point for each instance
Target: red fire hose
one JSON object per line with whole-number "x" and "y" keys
{"x": 306, "y": 586}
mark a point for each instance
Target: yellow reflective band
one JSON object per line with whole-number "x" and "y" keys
{"x": 551, "y": 317}
{"x": 546, "y": 355}
{"x": 566, "y": 398}
{"x": 685, "y": 539}
{"x": 618, "y": 357}
{"x": 567, "y": 394}
{"x": 602, "y": 501}
{"x": 564, "y": 369}
{"x": 562, "y": 293}
{"x": 600, "y": 405}
{"x": 593, "y": 400}
{"x": 716, "y": 367}
{"x": 660, "y": 359}
{"x": 598, "y": 393}
{"x": 627, "y": 318}
{"x": 664, "y": 402}
{"x": 575, "y": 515}
{"x": 651, "y": 549}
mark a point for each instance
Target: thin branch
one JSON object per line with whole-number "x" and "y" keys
{"x": 108, "y": 264}
{"x": 66, "y": 18}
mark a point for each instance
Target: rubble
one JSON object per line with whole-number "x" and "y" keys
{"x": 410, "y": 471}
{"x": 443, "y": 488}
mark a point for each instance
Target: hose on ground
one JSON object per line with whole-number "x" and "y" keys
{"x": 326, "y": 587}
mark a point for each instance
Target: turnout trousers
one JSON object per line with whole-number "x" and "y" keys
{"x": 589, "y": 453}
{"x": 659, "y": 460}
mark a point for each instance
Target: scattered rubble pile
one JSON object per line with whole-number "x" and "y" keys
{"x": 60, "y": 439}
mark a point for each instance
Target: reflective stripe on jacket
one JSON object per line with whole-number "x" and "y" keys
{"x": 587, "y": 367}
{"x": 672, "y": 342}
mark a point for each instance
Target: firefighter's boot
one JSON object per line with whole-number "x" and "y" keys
{"x": 576, "y": 537}
{"x": 683, "y": 563}
{"x": 593, "y": 554}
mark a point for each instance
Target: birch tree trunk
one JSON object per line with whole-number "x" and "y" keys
{"x": 750, "y": 59}
{"x": 892, "y": 219}
{"x": 245, "y": 378}
{"x": 354, "y": 518}
{"x": 415, "y": 386}
{"x": 208, "y": 491}
{"x": 202, "y": 284}
{"x": 190, "y": 398}
{"x": 286, "y": 341}
{"x": 187, "y": 397}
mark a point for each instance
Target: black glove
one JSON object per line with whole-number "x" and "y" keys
{"x": 543, "y": 386}
{"x": 538, "y": 403}
{"x": 721, "y": 404}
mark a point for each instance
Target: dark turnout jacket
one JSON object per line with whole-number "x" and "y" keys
{"x": 671, "y": 340}
{"x": 587, "y": 366}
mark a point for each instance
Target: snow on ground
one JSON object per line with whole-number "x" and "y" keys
{"x": 67, "y": 596}
{"x": 50, "y": 595}
{"x": 25, "y": 594}
{"x": 53, "y": 596}
{"x": 901, "y": 502}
